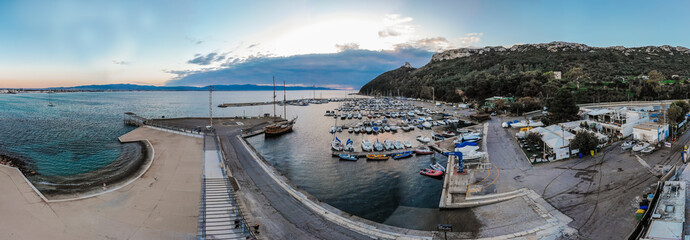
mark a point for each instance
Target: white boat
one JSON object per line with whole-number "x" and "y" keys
{"x": 471, "y": 137}
{"x": 394, "y": 128}
{"x": 349, "y": 116}
{"x": 387, "y": 128}
{"x": 337, "y": 145}
{"x": 359, "y": 116}
{"x": 333, "y": 129}
{"x": 350, "y": 130}
{"x": 388, "y": 144}
{"x": 408, "y": 144}
{"x": 472, "y": 155}
{"x": 398, "y": 145}
{"x": 340, "y": 129}
{"x": 426, "y": 125}
{"x": 640, "y": 146}
{"x": 366, "y": 146}
{"x": 423, "y": 139}
{"x": 363, "y": 130}
{"x": 648, "y": 149}
{"x": 627, "y": 145}
{"x": 356, "y": 129}
{"x": 406, "y": 128}
{"x": 349, "y": 146}
{"x": 378, "y": 146}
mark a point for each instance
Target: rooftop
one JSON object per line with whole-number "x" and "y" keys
{"x": 650, "y": 126}
{"x": 669, "y": 214}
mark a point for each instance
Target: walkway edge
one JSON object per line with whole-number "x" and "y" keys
{"x": 362, "y": 228}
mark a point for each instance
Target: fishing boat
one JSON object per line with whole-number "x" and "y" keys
{"x": 350, "y": 130}
{"x": 406, "y": 128}
{"x": 359, "y": 116}
{"x": 431, "y": 173}
{"x": 349, "y": 146}
{"x": 336, "y": 144}
{"x": 387, "y": 128}
{"x": 343, "y": 116}
{"x": 363, "y": 130}
{"x": 349, "y": 157}
{"x": 407, "y": 144}
{"x": 394, "y": 128}
{"x": 375, "y": 129}
{"x": 378, "y": 146}
{"x": 426, "y": 125}
{"x": 366, "y": 146}
{"x": 423, "y": 151}
{"x": 377, "y": 157}
{"x": 402, "y": 155}
{"x": 423, "y": 139}
{"x": 356, "y": 130}
{"x": 340, "y": 129}
{"x": 420, "y": 126}
{"x": 50, "y": 100}
{"x": 349, "y": 116}
{"x": 398, "y": 145}
{"x": 448, "y": 134}
{"x": 437, "y": 167}
{"x": 369, "y": 129}
{"x": 333, "y": 130}
{"x": 640, "y": 146}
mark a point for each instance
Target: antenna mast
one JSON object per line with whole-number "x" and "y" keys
{"x": 210, "y": 105}
{"x": 284, "y": 101}
{"x": 274, "y": 97}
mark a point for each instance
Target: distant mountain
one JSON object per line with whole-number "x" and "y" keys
{"x": 134, "y": 87}
{"x": 593, "y": 74}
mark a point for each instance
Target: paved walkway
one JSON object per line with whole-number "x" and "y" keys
{"x": 162, "y": 204}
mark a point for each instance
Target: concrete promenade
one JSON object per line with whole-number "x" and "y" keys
{"x": 162, "y": 204}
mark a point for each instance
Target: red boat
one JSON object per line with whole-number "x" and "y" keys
{"x": 431, "y": 172}
{"x": 423, "y": 151}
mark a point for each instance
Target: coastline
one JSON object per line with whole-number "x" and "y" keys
{"x": 115, "y": 175}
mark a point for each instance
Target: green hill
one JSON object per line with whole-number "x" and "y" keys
{"x": 593, "y": 74}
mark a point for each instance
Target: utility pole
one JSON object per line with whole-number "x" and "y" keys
{"x": 433, "y": 95}
{"x": 210, "y": 105}
{"x": 274, "y": 98}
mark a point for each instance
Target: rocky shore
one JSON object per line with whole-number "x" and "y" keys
{"x": 25, "y": 168}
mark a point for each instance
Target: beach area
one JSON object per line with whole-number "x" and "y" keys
{"x": 161, "y": 204}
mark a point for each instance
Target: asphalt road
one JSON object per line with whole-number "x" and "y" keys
{"x": 281, "y": 216}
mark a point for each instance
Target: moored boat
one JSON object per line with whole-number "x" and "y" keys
{"x": 366, "y": 146}
{"x": 377, "y": 157}
{"x": 640, "y": 146}
{"x": 378, "y": 146}
{"x": 402, "y": 155}
{"x": 423, "y": 139}
{"x": 431, "y": 172}
{"x": 407, "y": 144}
{"x": 349, "y": 157}
{"x": 437, "y": 167}
{"x": 423, "y": 151}
{"x": 337, "y": 145}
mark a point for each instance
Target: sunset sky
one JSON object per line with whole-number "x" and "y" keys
{"x": 341, "y": 44}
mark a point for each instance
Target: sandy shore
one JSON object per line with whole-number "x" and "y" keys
{"x": 162, "y": 204}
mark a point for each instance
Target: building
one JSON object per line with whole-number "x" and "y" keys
{"x": 615, "y": 122}
{"x": 491, "y": 102}
{"x": 668, "y": 215}
{"x": 556, "y": 141}
{"x": 651, "y": 132}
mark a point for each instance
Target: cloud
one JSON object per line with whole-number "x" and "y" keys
{"x": 396, "y": 25}
{"x": 434, "y": 44}
{"x": 253, "y": 45}
{"x": 470, "y": 39}
{"x": 120, "y": 62}
{"x": 347, "y": 46}
{"x": 350, "y": 68}
{"x": 194, "y": 40}
{"x": 207, "y": 59}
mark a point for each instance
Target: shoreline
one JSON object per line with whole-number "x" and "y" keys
{"x": 119, "y": 173}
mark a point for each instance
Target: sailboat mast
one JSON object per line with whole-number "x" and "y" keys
{"x": 284, "y": 101}
{"x": 274, "y": 97}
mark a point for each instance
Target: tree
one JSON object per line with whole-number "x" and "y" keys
{"x": 683, "y": 105}
{"x": 575, "y": 74}
{"x": 656, "y": 76}
{"x": 675, "y": 114}
{"x": 533, "y": 137}
{"x": 562, "y": 107}
{"x": 584, "y": 141}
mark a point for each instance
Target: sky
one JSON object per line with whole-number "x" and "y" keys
{"x": 339, "y": 44}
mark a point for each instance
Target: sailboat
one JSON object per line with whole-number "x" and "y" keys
{"x": 50, "y": 100}
{"x": 277, "y": 129}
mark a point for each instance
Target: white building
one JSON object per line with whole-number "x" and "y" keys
{"x": 556, "y": 141}
{"x": 616, "y": 121}
{"x": 651, "y": 132}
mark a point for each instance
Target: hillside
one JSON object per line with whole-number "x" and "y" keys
{"x": 593, "y": 74}
{"x": 134, "y": 87}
